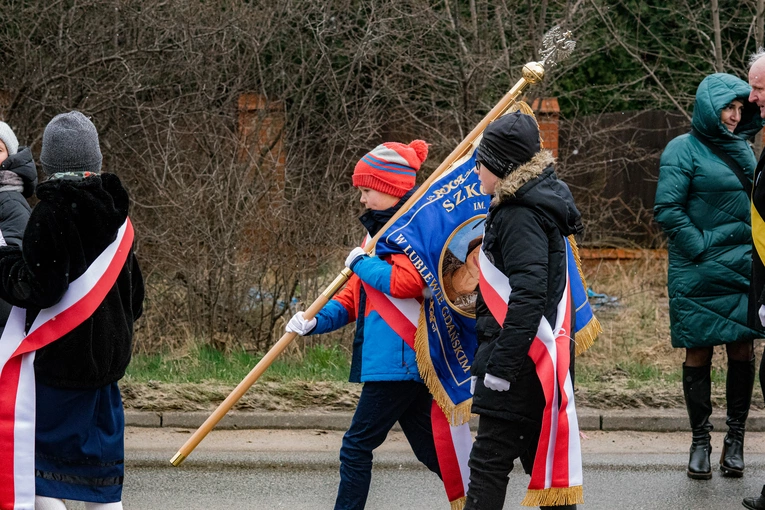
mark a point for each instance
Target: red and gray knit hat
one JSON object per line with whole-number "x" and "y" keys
{"x": 391, "y": 167}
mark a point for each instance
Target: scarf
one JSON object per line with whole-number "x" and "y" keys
{"x": 11, "y": 181}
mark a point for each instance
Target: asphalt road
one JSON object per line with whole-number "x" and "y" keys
{"x": 266, "y": 469}
{"x": 609, "y": 487}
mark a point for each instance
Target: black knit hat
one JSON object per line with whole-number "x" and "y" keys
{"x": 508, "y": 142}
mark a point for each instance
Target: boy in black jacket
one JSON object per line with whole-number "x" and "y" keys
{"x": 530, "y": 214}
{"x": 79, "y": 446}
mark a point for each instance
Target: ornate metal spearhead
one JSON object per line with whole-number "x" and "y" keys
{"x": 557, "y": 45}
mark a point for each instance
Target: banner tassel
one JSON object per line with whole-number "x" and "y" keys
{"x": 554, "y": 496}
{"x": 456, "y": 414}
{"x": 458, "y": 504}
{"x": 585, "y": 337}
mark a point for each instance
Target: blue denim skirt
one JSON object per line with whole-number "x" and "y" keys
{"x": 80, "y": 444}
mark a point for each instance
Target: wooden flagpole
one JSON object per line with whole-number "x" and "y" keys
{"x": 533, "y": 72}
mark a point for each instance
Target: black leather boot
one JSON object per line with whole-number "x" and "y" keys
{"x": 697, "y": 388}
{"x": 738, "y": 391}
{"x": 757, "y": 503}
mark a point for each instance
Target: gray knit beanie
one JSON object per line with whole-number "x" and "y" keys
{"x": 8, "y": 139}
{"x": 70, "y": 144}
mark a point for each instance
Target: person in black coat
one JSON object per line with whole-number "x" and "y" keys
{"x": 79, "y": 448}
{"x": 18, "y": 178}
{"x": 757, "y": 289}
{"x": 530, "y": 213}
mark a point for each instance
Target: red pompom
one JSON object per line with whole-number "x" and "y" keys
{"x": 420, "y": 148}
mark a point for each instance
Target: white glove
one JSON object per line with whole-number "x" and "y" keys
{"x": 355, "y": 254}
{"x": 495, "y": 383}
{"x": 299, "y": 325}
{"x": 473, "y": 379}
{"x": 761, "y": 313}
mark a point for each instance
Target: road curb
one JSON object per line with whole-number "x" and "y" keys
{"x": 647, "y": 420}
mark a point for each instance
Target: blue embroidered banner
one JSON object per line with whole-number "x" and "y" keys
{"x": 442, "y": 234}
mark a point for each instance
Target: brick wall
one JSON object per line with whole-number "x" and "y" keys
{"x": 260, "y": 129}
{"x": 547, "y": 112}
{"x": 260, "y": 126}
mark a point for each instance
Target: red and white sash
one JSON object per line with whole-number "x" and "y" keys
{"x": 402, "y": 315}
{"x": 556, "y": 478}
{"x": 17, "y": 378}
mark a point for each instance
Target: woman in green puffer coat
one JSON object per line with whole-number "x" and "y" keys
{"x": 702, "y": 203}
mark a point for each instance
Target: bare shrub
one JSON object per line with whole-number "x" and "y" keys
{"x": 230, "y": 238}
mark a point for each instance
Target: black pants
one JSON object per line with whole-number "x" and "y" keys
{"x": 497, "y": 444}
{"x": 380, "y": 406}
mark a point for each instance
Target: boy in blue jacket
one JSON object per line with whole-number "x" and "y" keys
{"x": 382, "y": 359}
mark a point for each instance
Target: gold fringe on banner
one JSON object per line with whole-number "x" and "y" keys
{"x": 523, "y": 107}
{"x": 554, "y": 496}
{"x": 585, "y": 337}
{"x": 456, "y": 414}
{"x": 458, "y": 504}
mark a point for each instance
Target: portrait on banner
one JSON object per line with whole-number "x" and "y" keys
{"x": 458, "y": 265}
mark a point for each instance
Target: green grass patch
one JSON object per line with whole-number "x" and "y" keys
{"x": 626, "y": 370}
{"x": 320, "y": 363}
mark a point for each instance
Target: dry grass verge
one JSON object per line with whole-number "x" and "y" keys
{"x": 631, "y": 365}
{"x": 263, "y": 396}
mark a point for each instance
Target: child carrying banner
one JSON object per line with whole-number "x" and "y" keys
{"x": 76, "y": 289}
{"x": 383, "y": 352}
{"x": 523, "y": 367}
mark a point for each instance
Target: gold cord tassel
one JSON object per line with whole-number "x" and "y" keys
{"x": 554, "y": 496}
{"x": 458, "y": 504}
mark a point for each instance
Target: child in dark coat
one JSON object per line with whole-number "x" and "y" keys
{"x": 79, "y": 448}
{"x": 18, "y": 178}
{"x": 531, "y": 214}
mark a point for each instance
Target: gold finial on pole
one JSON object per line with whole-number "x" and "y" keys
{"x": 557, "y": 45}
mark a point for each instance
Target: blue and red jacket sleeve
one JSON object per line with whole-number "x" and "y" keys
{"x": 340, "y": 310}
{"x": 395, "y": 275}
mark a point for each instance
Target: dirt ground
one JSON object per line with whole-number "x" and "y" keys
{"x": 266, "y": 396}
{"x": 335, "y": 396}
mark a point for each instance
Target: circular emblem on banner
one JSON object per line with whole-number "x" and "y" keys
{"x": 458, "y": 266}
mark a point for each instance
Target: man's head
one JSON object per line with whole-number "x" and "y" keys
{"x": 70, "y": 144}
{"x": 9, "y": 145}
{"x": 757, "y": 80}
{"x": 387, "y": 173}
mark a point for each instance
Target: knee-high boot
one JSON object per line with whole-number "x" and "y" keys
{"x": 697, "y": 388}
{"x": 738, "y": 391}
